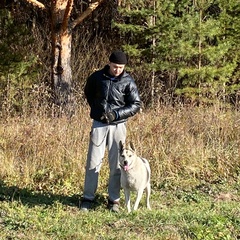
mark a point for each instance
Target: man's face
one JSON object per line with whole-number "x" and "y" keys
{"x": 116, "y": 69}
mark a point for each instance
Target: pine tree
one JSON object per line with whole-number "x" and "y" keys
{"x": 189, "y": 47}
{"x": 204, "y": 46}
{"x": 15, "y": 62}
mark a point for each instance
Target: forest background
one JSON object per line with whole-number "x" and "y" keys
{"x": 179, "y": 51}
{"x": 184, "y": 57}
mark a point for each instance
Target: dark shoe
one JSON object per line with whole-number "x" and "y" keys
{"x": 113, "y": 206}
{"x": 86, "y": 205}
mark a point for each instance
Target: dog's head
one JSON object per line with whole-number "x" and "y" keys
{"x": 127, "y": 155}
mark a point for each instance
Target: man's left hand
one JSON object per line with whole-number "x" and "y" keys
{"x": 109, "y": 117}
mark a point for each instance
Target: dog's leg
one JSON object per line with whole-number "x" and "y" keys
{"x": 139, "y": 196}
{"x": 148, "y": 192}
{"x": 127, "y": 199}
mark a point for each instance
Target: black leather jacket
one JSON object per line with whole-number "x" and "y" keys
{"x": 105, "y": 94}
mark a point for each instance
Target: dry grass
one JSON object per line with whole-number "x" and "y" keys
{"x": 193, "y": 153}
{"x": 185, "y": 145}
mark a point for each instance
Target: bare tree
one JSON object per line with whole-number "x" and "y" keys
{"x": 61, "y": 35}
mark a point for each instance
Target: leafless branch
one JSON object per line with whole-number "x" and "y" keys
{"x": 36, "y": 3}
{"x": 86, "y": 13}
{"x": 67, "y": 14}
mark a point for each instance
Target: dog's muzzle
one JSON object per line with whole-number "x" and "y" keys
{"x": 125, "y": 166}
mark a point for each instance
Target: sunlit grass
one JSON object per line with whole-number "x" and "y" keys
{"x": 182, "y": 218}
{"x": 195, "y": 161}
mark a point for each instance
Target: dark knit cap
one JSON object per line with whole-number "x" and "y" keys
{"x": 118, "y": 57}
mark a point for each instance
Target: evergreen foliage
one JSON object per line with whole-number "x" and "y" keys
{"x": 179, "y": 50}
{"x": 16, "y": 63}
{"x": 194, "y": 45}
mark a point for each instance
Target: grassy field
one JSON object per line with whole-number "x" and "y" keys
{"x": 194, "y": 155}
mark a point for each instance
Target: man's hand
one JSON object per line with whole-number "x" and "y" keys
{"x": 109, "y": 117}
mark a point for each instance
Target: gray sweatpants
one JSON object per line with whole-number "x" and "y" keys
{"x": 102, "y": 136}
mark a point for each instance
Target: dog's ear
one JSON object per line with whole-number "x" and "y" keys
{"x": 132, "y": 146}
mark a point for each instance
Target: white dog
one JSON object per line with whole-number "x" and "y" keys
{"x": 135, "y": 175}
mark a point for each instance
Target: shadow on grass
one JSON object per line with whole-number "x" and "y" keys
{"x": 33, "y": 198}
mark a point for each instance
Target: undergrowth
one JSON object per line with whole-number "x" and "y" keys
{"x": 194, "y": 157}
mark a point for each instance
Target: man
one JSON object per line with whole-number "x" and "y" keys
{"x": 113, "y": 97}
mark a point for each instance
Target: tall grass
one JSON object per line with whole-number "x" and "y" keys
{"x": 195, "y": 162}
{"x": 185, "y": 146}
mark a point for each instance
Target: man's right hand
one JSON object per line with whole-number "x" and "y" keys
{"x": 109, "y": 117}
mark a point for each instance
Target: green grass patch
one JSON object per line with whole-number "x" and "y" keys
{"x": 194, "y": 157}
{"x": 176, "y": 214}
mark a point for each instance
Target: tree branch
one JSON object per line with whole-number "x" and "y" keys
{"x": 86, "y": 13}
{"x": 36, "y": 3}
{"x": 67, "y": 15}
